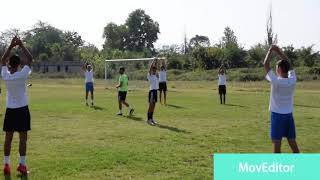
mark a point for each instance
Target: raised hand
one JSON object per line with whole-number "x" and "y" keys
{"x": 14, "y": 42}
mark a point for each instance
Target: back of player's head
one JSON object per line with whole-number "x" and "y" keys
{"x": 283, "y": 65}
{"x": 122, "y": 68}
{"x": 14, "y": 61}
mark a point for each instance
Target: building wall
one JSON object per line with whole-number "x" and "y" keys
{"x": 54, "y": 68}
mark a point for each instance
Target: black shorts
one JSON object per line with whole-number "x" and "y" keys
{"x": 222, "y": 89}
{"x": 122, "y": 95}
{"x": 163, "y": 86}
{"x": 17, "y": 119}
{"x": 153, "y": 96}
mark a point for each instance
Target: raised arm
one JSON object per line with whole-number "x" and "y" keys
{"x": 280, "y": 53}
{"x": 4, "y": 58}
{"x": 84, "y": 66}
{"x": 26, "y": 52}
{"x": 266, "y": 62}
{"x": 152, "y": 64}
{"x": 164, "y": 64}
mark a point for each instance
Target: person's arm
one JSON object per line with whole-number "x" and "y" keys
{"x": 119, "y": 83}
{"x": 4, "y": 58}
{"x": 267, "y": 59}
{"x": 84, "y": 66}
{"x": 164, "y": 64}
{"x": 26, "y": 52}
{"x": 280, "y": 53}
{"x": 152, "y": 64}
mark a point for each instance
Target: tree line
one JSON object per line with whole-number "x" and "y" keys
{"x": 135, "y": 39}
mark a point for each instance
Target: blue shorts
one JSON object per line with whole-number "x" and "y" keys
{"x": 282, "y": 125}
{"x": 89, "y": 86}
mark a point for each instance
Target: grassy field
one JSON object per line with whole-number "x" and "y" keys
{"x": 71, "y": 141}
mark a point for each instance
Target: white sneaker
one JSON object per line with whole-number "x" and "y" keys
{"x": 150, "y": 122}
{"x": 154, "y": 122}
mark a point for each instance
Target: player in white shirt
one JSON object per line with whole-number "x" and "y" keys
{"x": 89, "y": 82}
{"x": 15, "y": 73}
{"x": 153, "y": 91}
{"x": 281, "y": 100}
{"x": 222, "y": 84}
{"x": 163, "y": 83}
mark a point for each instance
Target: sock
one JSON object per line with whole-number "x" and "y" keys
{"x": 6, "y": 160}
{"x": 22, "y": 160}
{"x": 149, "y": 116}
{"x": 120, "y": 110}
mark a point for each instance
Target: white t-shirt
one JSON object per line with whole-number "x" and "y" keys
{"x": 16, "y": 86}
{"x": 154, "y": 82}
{"x": 281, "y": 95}
{"x": 163, "y": 76}
{"x": 89, "y": 76}
{"x": 222, "y": 79}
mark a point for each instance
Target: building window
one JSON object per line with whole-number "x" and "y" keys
{"x": 66, "y": 68}
{"x": 58, "y": 68}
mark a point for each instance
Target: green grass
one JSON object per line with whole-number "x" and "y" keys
{"x": 70, "y": 141}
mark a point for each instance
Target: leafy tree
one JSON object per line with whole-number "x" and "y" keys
{"x": 115, "y": 36}
{"x": 199, "y": 41}
{"x": 308, "y": 56}
{"x": 229, "y": 38}
{"x": 291, "y": 53}
{"x": 255, "y": 55}
{"x": 142, "y": 31}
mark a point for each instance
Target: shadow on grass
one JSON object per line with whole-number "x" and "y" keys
{"x": 134, "y": 118}
{"x": 307, "y": 106}
{"x": 175, "y": 106}
{"x": 98, "y": 108}
{"x": 235, "y": 105}
{"x": 174, "y": 129}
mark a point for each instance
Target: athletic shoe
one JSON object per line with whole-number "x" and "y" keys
{"x": 22, "y": 169}
{"x": 119, "y": 113}
{"x": 150, "y": 122}
{"x": 131, "y": 111}
{"x": 6, "y": 169}
{"x": 154, "y": 122}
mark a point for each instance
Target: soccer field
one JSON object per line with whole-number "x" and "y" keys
{"x": 71, "y": 141}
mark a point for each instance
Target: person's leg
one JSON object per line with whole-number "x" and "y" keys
{"x": 165, "y": 97}
{"x": 125, "y": 103}
{"x": 87, "y": 92}
{"x": 220, "y": 98}
{"x": 224, "y": 98}
{"x": 276, "y": 146}
{"x": 293, "y": 145}
{"x": 160, "y": 96}
{"x": 7, "y": 147}
{"x": 120, "y": 106}
{"x": 92, "y": 98}
{"x": 22, "y": 168}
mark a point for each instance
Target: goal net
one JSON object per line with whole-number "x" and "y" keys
{"x": 136, "y": 69}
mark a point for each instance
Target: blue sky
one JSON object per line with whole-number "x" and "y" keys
{"x": 295, "y": 21}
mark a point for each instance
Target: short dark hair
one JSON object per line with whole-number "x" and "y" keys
{"x": 284, "y": 65}
{"x": 14, "y": 61}
{"x": 122, "y": 69}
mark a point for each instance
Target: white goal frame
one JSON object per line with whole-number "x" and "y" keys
{"x": 121, "y": 60}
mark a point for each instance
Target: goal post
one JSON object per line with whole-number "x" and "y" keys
{"x": 108, "y": 61}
